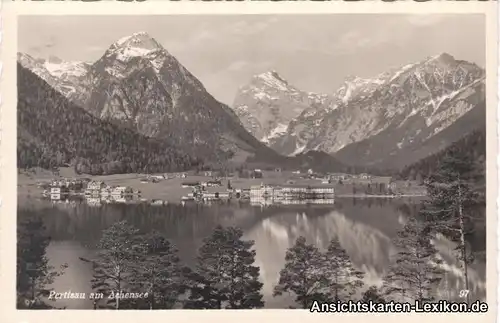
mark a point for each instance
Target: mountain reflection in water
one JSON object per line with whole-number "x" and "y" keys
{"x": 364, "y": 228}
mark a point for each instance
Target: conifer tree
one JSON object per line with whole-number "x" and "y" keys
{"x": 343, "y": 279}
{"x": 34, "y": 274}
{"x": 451, "y": 196}
{"x": 120, "y": 251}
{"x": 160, "y": 274}
{"x": 414, "y": 272}
{"x": 303, "y": 274}
{"x": 225, "y": 275}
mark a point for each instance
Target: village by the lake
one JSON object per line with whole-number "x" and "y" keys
{"x": 257, "y": 187}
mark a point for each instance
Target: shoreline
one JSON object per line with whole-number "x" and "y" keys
{"x": 177, "y": 198}
{"x": 171, "y": 190}
{"x": 379, "y": 196}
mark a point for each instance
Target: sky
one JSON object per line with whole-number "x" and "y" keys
{"x": 312, "y": 52}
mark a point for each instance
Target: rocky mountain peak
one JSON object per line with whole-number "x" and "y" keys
{"x": 140, "y": 40}
{"x": 139, "y": 44}
{"x": 26, "y": 60}
{"x": 443, "y": 58}
{"x": 268, "y": 103}
{"x": 271, "y": 79}
{"x": 446, "y": 62}
{"x": 132, "y": 53}
{"x": 275, "y": 74}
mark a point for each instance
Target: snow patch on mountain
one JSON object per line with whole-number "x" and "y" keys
{"x": 76, "y": 69}
{"x": 357, "y": 87}
{"x": 62, "y": 76}
{"x": 262, "y": 95}
{"x": 128, "y": 52}
{"x": 278, "y": 130}
{"x": 300, "y": 148}
{"x": 140, "y": 40}
{"x": 274, "y": 80}
{"x": 403, "y": 70}
{"x": 433, "y": 93}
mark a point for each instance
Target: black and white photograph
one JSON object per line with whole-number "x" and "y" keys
{"x": 250, "y": 161}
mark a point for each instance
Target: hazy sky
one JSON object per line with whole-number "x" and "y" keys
{"x": 313, "y": 52}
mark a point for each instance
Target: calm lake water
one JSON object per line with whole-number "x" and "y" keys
{"x": 364, "y": 227}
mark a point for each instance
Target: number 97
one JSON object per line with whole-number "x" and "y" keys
{"x": 463, "y": 293}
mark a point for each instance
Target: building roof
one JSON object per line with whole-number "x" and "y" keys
{"x": 382, "y": 179}
{"x": 216, "y": 190}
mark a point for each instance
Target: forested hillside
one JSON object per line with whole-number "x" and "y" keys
{"x": 472, "y": 146}
{"x": 54, "y": 132}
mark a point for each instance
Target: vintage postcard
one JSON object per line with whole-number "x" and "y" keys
{"x": 324, "y": 161}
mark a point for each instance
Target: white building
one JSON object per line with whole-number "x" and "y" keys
{"x": 59, "y": 190}
{"x": 262, "y": 191}
{"x": 55, "y": 190}
{"x": 95, "y": 185}
{"x": 121, "y": 190}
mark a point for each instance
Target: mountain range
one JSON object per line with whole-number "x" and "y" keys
{"x": 137, "y": 86}
{"x": 387, "y": 121}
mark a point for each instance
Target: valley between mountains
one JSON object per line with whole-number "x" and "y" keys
{"x": 138, "y": 109}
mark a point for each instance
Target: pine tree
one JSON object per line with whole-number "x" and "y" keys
{"x": 303, "y": 274}
{"x": 34, "y": 274}
{"x": 451, "y": 196}
{"x": 414, "y": 272}
{"x": 343, "y": 279}
{"x": 120, "y": 251}
{"x": 160, "y": 274}
{"x": 225, "y": 276}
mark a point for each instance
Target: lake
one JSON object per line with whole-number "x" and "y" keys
{"x": 364, "y": 227}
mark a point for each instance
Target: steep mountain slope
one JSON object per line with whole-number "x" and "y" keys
{"x": 472, "y": 145}
{"x": 268, "y": 103}
{"x": 138, "y": 84}
{"x": 396, "y": 111}
{"x": 375, "y": 153}
{"x": 421, "y": 135}
{"x": 53, "y": 131}
{"x": 303, "y": 131}
{"x": 65, "y": 77}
